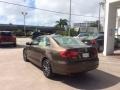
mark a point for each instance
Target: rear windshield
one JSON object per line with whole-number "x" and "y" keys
{"x": 67, "y": 41}
{"x": 94, "y": 36}
{"x": 91, "y": 37}
{"x": 6, "y": 34}
{"x": 83, "y": 34}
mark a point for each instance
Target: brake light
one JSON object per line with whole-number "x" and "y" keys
{"x": 94, "y": 52}
{"x": 69, "y": 54}
{"x": 13, "y": 38}
{"x": 93, "y": 42}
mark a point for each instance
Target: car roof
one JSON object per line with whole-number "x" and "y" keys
{"x": 49, "y": 36}
{"x": 83, "y": 33}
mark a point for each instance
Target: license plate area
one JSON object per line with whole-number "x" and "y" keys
{"x": 85, "y": 55}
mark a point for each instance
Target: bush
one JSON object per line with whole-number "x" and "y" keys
{"x": 66, "y": 33}
{"x": 20, "y": 32}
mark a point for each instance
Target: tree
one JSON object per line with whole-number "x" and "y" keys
{"x": 18, "y": 32}
{"x": 95, "y": 24}
{"x": 73, "y": 32}
{"x": 62, "y": 23}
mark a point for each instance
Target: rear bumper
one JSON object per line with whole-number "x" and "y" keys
{"x": 74, "y": 67}
{"x": 7, "y": 43}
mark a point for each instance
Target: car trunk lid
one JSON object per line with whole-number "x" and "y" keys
{"x": 84, "y": 52}
{"x": 88, "y": 42}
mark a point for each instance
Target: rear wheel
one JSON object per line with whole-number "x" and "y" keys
{"x": 46, "y": 67}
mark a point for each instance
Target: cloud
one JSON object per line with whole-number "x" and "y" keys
{"x": 12, "y": 14}
{"x": 79, "y": 7}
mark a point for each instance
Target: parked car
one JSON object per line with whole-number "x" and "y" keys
{"x": 117, "y": 42}
{"x": 82, "y": 35}
{"x": 7, "y": 38}
{"x": 61, "y": 55}
{"x": 97, "y": 40}
{"x": 36, "y": 34}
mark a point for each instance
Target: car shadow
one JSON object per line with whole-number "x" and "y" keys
{"x": 11, "y": 47}
{"x": 94, "y": 80}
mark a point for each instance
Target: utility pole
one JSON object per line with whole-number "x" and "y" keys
{"x": 86, "y": 24}
{"x": 70, "y": 17}
{"x": 99, "y": 20}
{"x": 24, "y": 15}
{"x": 99, "y": 17}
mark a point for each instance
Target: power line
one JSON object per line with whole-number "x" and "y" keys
{"x": 46, "y": 9}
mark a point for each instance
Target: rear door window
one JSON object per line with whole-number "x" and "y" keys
{"x": 44, "y": 42}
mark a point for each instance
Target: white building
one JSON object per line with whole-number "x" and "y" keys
{"x": 111, "y": 8}
{"x": 86, "y": 26}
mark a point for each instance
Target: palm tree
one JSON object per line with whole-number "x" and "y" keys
{"x": 62, "y": 23}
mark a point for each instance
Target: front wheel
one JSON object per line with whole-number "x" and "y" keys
{"x": 46, "y": 67}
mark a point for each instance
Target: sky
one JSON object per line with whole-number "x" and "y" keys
{"x": 12, "y": 14}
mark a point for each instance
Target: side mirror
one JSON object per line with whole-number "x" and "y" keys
{"x": 28, "y": 43}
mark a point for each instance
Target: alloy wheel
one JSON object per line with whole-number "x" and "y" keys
{"x": 47, "y": 68}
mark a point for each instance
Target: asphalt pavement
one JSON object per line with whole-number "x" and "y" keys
{"x": 15, "y": 74}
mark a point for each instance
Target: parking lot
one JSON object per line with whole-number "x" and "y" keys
{"x": 15, "y": 74}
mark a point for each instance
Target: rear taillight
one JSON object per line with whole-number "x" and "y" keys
{"x": 69, "y": 54}
{"x": 13, "y": 38}
{"x": 94, "y": 52}
{"x": 93, "y": 42}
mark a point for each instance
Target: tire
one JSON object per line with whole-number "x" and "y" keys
{"x": 25, "y": 56}
{"x": 46, "y": 67}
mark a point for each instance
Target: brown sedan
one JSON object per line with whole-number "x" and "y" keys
{"x": 61, "y": 55}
